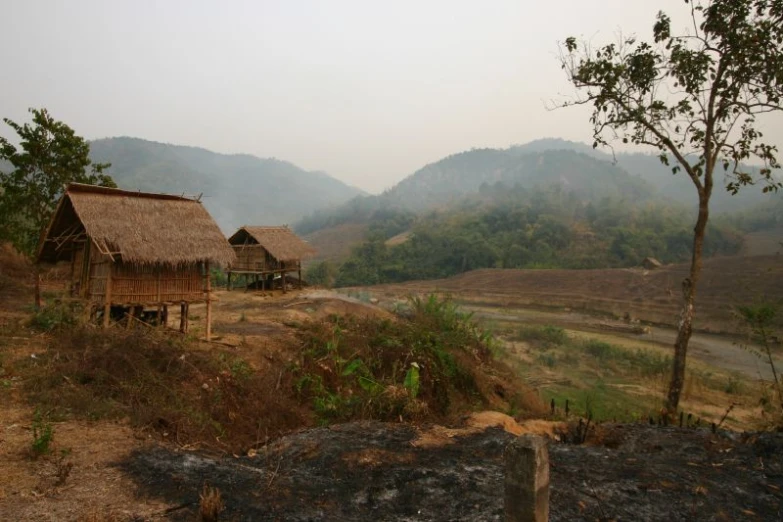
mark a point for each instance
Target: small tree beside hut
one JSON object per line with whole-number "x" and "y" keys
{"x": 264, "y": 252}
{"x": 132, "y": 252}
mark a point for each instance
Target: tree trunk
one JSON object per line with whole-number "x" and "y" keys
{"x": 686, "y": 315}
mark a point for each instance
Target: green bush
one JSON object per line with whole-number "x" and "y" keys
{"x": 43, "y": 435}
{"x": 544, "y": 336}
{"x": 430, "y": 360}
{"x": 56, "y": 315}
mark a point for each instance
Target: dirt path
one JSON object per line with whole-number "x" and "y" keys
{"x": 721, "y": 351}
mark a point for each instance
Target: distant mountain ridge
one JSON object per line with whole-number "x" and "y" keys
{"x": 238, "y": 189}
{"x": 676, "y": 187}
{"x": 576, "y": 167}
{"x": 449, "y": 181}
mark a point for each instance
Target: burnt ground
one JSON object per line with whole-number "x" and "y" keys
{"x": 377, "y": 471}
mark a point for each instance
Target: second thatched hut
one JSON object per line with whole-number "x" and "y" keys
{"x": 262, "y": 253}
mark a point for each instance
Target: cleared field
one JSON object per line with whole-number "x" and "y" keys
{"x": 648, "y": 295}
{"x": 764, "y": 243}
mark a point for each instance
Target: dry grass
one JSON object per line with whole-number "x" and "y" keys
{"x": 167, "y": 384}
{"x": 210, "y": 504}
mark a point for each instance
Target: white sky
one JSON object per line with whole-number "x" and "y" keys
{"x": 368, "y": 91}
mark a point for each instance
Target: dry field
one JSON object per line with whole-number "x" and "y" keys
{"x": 651, "y": 296}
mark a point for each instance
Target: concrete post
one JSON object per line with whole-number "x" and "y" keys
{"x": 527, "y": 480}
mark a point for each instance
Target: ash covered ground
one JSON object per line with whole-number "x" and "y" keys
{"x": 376, "y": 471}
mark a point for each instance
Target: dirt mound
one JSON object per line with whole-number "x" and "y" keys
{"x": 477, "y": 422}
{"x": 321, "y": 304}
{"x": 188, "y": 393}
{"x": 372, "y": 471}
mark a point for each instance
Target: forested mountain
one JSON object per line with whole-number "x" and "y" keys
{"x": 238, "y": 189}
{"x": 676, "y": 187}
{"x": 446, "y": 182}
{"x": 513, "y": 227}
{"x": 575, "y": 167}
{"x": 548, "y": 203}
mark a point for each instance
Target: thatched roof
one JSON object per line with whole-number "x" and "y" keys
{"x": 650, "y": 263}
{"x": 280, "y": 242}
{"x": 138, "y": 227}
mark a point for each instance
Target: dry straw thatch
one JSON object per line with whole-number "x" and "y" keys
{"x": 144, "y": 229}
{"x": 280, "y": 242}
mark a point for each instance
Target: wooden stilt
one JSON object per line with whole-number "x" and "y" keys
{"x": 283, "y": 278}
{"x": 229, "y": 282}
{"x": 300, "y": 278}
{"x": 209, "y": 303}
{"x": 107, "y": 298}
{"x": 72, "y": 288}
{"x": 263, "y": 283}
{"x": 165, "y": 322}
{"x": 183, "y": 317}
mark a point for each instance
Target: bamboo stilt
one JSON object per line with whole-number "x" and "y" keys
{"x": 209, "y": 303}
{"x": 107, "y": 299}
{"x": 183, "y": 317}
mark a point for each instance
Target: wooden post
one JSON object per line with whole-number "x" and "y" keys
{"x": 73, "y": 273}
{"x": 107, "y": 297}
{"x": 183, "y": 317}
{"x": 283, "y": 274}
{"x": 300, "y": 277}
{"x": 131, "y": 314}
{"x": 527, "y": 480}
{"x": 229, "y": 282}
{"x": 209, "y": 303}
{"x": 165, "y": 321}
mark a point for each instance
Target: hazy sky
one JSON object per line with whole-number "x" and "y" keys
{"x": 368, "y": 91}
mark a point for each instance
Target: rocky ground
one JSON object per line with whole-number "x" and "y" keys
{"x": 366, "y": 471}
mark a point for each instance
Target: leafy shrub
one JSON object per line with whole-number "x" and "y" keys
{"x": 58, "y": 314}
{"x": 434, "y": 359}
{"x": 43, "y": 435}
{"x": 544, "y": 336}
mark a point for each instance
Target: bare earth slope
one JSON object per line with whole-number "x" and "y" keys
{"x": 652, "y": 296}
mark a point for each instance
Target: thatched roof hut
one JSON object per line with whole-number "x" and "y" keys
{"x": 134, "y": 250}
{"x": 138, "y": 228}
{"x": 280, "y": 242}
{"x": 263, "y": 251}
{"x": 650, "y": 263}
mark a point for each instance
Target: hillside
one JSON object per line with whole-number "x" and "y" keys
{"x": 238, "y": 189}
{"x": 448, "y": 181}
{"x": 574, "y": 167}
{"x": 677, "y": 188}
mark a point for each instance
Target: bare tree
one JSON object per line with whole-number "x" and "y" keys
{"x": 695, "y": 98}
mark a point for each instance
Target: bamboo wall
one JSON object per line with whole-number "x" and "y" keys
{"x": 139, "y": 285}
{"x": 255, "y": 258}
